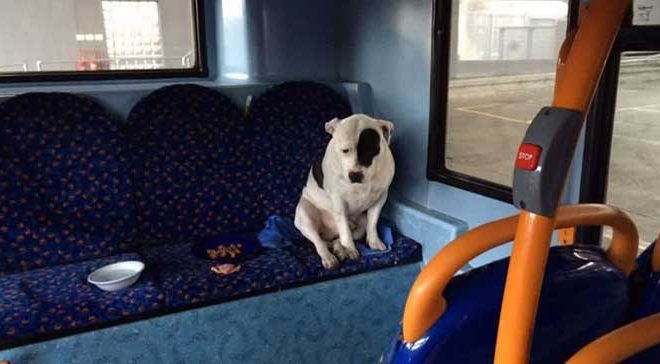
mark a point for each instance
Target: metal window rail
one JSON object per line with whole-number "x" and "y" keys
{"x": 23, "y": 66}
{"x": 186, "y": 60}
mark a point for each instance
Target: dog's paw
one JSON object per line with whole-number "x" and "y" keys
{"x": 376, "y": 244}
{"x": 352, "y": 253}
{"x": 339, "y": 251}
{"x": 329, "y": 261}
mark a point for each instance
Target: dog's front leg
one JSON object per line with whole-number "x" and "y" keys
{"x": 373, "y": 214}
{"x": 343, "y": 228}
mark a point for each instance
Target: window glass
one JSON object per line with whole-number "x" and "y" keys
{"x": 501, "y": 72}
{"x": 96, "y": 35}
{"x": 634, "y": 178}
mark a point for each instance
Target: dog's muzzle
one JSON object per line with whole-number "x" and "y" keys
{"x": 355, "y": 177}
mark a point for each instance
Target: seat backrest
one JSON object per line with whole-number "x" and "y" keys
{"x": 584, "y": 296}
{"x": 288, "y": 120}
{"x": 192, "y": 165}
{"x": 645, "y": 297}
{"x": 645, "y": 289}
{"x": 65, "y": 191}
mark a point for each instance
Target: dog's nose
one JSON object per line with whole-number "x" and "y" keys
{"x": 356, "y": 177}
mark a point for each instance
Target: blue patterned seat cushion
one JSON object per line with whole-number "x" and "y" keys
{"x": 290, "y": 134}
{"x": 188, "y": 280}
{"x": 403, "y": 251}
{"x": 59, "y": 299}
{"x": 64, "y": 178}
{"x": 192, "y": 165}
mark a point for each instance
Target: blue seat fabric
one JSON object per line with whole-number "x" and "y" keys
{"x": 191, "y": 165}
{"x": 65, "y": 191}
{"x": 189, "y": 280}
{"x": 403, "y": 251}
{"x": 79, "y": 193}
{"x": 59, "y": 299}
{"x": 290, "y": 135}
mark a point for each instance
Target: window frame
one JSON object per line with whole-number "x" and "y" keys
{"x": 199, "y": 70}
{"x": 599, "y": 127}
{"x": 444, "y": 15}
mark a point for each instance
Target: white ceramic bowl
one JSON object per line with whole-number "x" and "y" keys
{"x": 116, "y": 276}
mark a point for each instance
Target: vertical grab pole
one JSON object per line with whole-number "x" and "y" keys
{"x": 523, "y": 287}
{"x": 578, "y": 72}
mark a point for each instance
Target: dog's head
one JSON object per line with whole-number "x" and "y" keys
{"x": 358, "y": 142}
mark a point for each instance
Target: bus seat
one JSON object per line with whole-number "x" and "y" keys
{"x": 182, "y": 170}
{"x": 191, "y": 165}
{"x": 645, "y": 299}
{"x": 583, "y": 297}
{"x": 64, "y": 181}
{"x": 290, "y": 121}
{"x": 55, "y": 301}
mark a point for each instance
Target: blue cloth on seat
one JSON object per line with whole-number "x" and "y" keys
{"x": 65, "y": 190}
{"x": 289, "y": 135}
{"x": 192, "y": 166}
{"x": 59, "y": 299}
{"x": 280, "y": 232}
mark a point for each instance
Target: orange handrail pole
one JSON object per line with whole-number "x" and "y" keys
{"x": 622, "y": 252}
{"x": 425, "y": 302}
{"x": 582, "y": 64}
{"x": 523, "y": 288}
{"x": 621, "y": 343}
{"x": 579, "y": 71}
{"x": 655, "y": 258}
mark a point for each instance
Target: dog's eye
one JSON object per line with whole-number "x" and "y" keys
{"x": 345, "y": 151}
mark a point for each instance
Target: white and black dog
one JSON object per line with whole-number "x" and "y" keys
{"x": 347, "y": 188}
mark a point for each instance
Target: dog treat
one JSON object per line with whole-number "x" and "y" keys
{"x": 225, "y": 269}
{"x": 223, "y": 251}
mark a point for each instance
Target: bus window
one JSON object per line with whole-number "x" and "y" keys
{"x": 501, "y": 72}
{"x": 39, "y": 37}
{"x": 635, "y": 156}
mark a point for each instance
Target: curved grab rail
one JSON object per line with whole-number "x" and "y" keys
{"x": 425, "y": 302}
{"x": 621, "y": 343}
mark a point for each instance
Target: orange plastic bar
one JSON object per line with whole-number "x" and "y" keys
{"x": 581, "y": 66}
{"x": 579, "y": 70}
{"x": 622, "y": 343}
{"x": 655, "y": 261}
{"x": 625, "y": 238}
{"x": 425, "y": 303}
{"x": 563, "y": 55}
{"x": 523, "y": 288}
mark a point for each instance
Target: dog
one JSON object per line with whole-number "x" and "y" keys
{"x": 347, "y": 188}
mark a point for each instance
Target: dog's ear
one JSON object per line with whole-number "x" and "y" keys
{"x": 331, "y": 125}
{"x": 387, "y": 128}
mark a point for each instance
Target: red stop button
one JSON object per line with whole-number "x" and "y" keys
{"x": 528, "y": 157}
